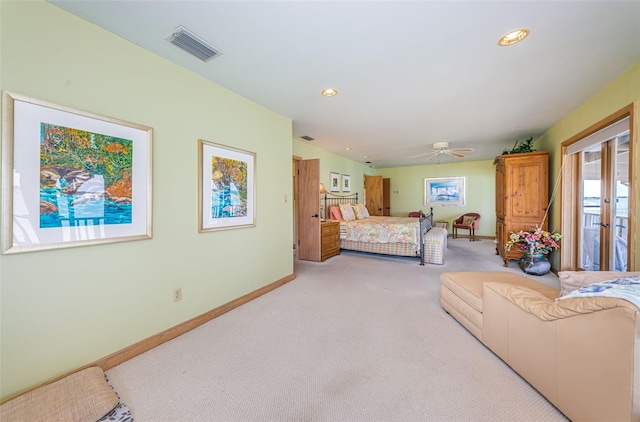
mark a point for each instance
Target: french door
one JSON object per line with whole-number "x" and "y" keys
{"x": 605, "y": 211}
{"x": 598, "y": 187}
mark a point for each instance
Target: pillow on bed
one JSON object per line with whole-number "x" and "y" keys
{"x": 347, "y": 212}
{"x": 361, "y": 211}
{"x": 335, "y": 214}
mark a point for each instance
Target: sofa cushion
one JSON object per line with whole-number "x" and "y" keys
{"x": 468, "y": 285}
{"x": 573, "y": 280}
{"x": 469, "y": 317}
{"x": 81, "y": 396}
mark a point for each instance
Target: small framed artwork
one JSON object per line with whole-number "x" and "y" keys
{"x": 334, "y": 183}
{"x": 444, "y": 191}
{"x": 71, "y": 178}
{"x": 227, "y": 187}
{"x": 346, "y": 183}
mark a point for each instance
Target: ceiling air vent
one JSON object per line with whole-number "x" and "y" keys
{"x": 307, "y": 138}
{"x": 191, "y": 43}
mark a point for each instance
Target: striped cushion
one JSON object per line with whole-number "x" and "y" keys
{"x": 435, "y": 243}
{"x": 401, "y": 249}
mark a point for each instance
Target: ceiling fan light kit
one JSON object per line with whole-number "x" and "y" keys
{"x": 441, "y": 145}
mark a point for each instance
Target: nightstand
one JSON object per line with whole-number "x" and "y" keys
{"x": 329, "y": 239}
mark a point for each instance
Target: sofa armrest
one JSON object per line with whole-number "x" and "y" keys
{"x": 547, "y": 309}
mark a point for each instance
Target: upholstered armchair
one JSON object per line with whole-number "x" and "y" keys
{"x": 469, "y": 221}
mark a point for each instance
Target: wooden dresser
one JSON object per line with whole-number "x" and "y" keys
{"x": 330, "y": 239}
{"x": 522, "y": 197}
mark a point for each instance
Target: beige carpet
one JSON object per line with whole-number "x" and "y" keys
{"x": 357, "y": 338}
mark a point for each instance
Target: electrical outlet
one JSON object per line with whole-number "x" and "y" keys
{"x": 177, "y": 294}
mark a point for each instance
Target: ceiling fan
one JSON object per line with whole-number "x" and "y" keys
{"x": 443, "y": 148}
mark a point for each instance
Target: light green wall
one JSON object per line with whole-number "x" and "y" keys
{"x": 621, "y": 92}
{"x": 479, "y": 191}
{"x": 61, "y": 309}
{"x": 330, "y": 162}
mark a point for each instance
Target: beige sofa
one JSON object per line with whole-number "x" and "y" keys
{"x": 581, "y": 354}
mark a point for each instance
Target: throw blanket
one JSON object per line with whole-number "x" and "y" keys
{"x": 627, "y": 288}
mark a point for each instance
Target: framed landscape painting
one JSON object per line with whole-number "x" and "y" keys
{"x": 71, "y": 178}
{"x": 227, "y": 187}
{"x": 444, "y": 191}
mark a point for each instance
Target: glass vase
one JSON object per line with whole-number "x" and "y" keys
{"x": 534, "y": 264}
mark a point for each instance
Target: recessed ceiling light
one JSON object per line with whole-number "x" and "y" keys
{"x": 329, "y": 92}
{"x": 513, "y": 37}
{"x": 348, "y": 148}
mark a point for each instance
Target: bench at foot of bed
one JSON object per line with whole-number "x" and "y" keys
{"x": 435, "y": 243}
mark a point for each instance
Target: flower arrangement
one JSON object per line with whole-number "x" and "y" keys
{"x": 537, "y": 242}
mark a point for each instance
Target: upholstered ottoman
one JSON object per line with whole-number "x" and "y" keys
{"x": 461, "y": 294}
{"x": 435, "y": 243}
{"x": 81, "y": 396}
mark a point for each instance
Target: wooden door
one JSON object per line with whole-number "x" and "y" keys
{"x": 308, "y": 211}
{"x": 373, "y": 194}
{"x": 386, "y": 197}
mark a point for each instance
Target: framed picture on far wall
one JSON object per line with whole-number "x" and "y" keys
{"x": 444, "y": 191}
{"x": 346, "y": 183}
{"x": 334, "y": 182}
{"x": 71, "y": 178}
{"x": 227, "y": 187}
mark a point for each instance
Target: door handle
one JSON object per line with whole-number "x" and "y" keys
{"x": 606, "y": 226}
{"x": 315, "y": 216}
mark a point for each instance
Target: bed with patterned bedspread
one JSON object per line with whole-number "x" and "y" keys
{"x": 384, "y": 235}
{"x": 401, "y": 236}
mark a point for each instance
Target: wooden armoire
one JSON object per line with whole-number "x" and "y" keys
{"x": 522, "y": 195}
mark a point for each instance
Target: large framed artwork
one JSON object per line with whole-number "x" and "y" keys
{"x": 444, "y": 191}
{"x": 71, "y": 178}
{"x": 227, "y": 186}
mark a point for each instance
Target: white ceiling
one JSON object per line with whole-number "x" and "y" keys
{"x": 409, "y": 73}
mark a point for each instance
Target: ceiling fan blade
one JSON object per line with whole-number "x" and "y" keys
{"x": 420, "y": 155}
{"x": 455, "y": 154}
{"x": 462, "y": 149}
{"x": 432, "y": 156}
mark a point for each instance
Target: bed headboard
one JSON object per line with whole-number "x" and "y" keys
{"x": 332, "y": 199}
